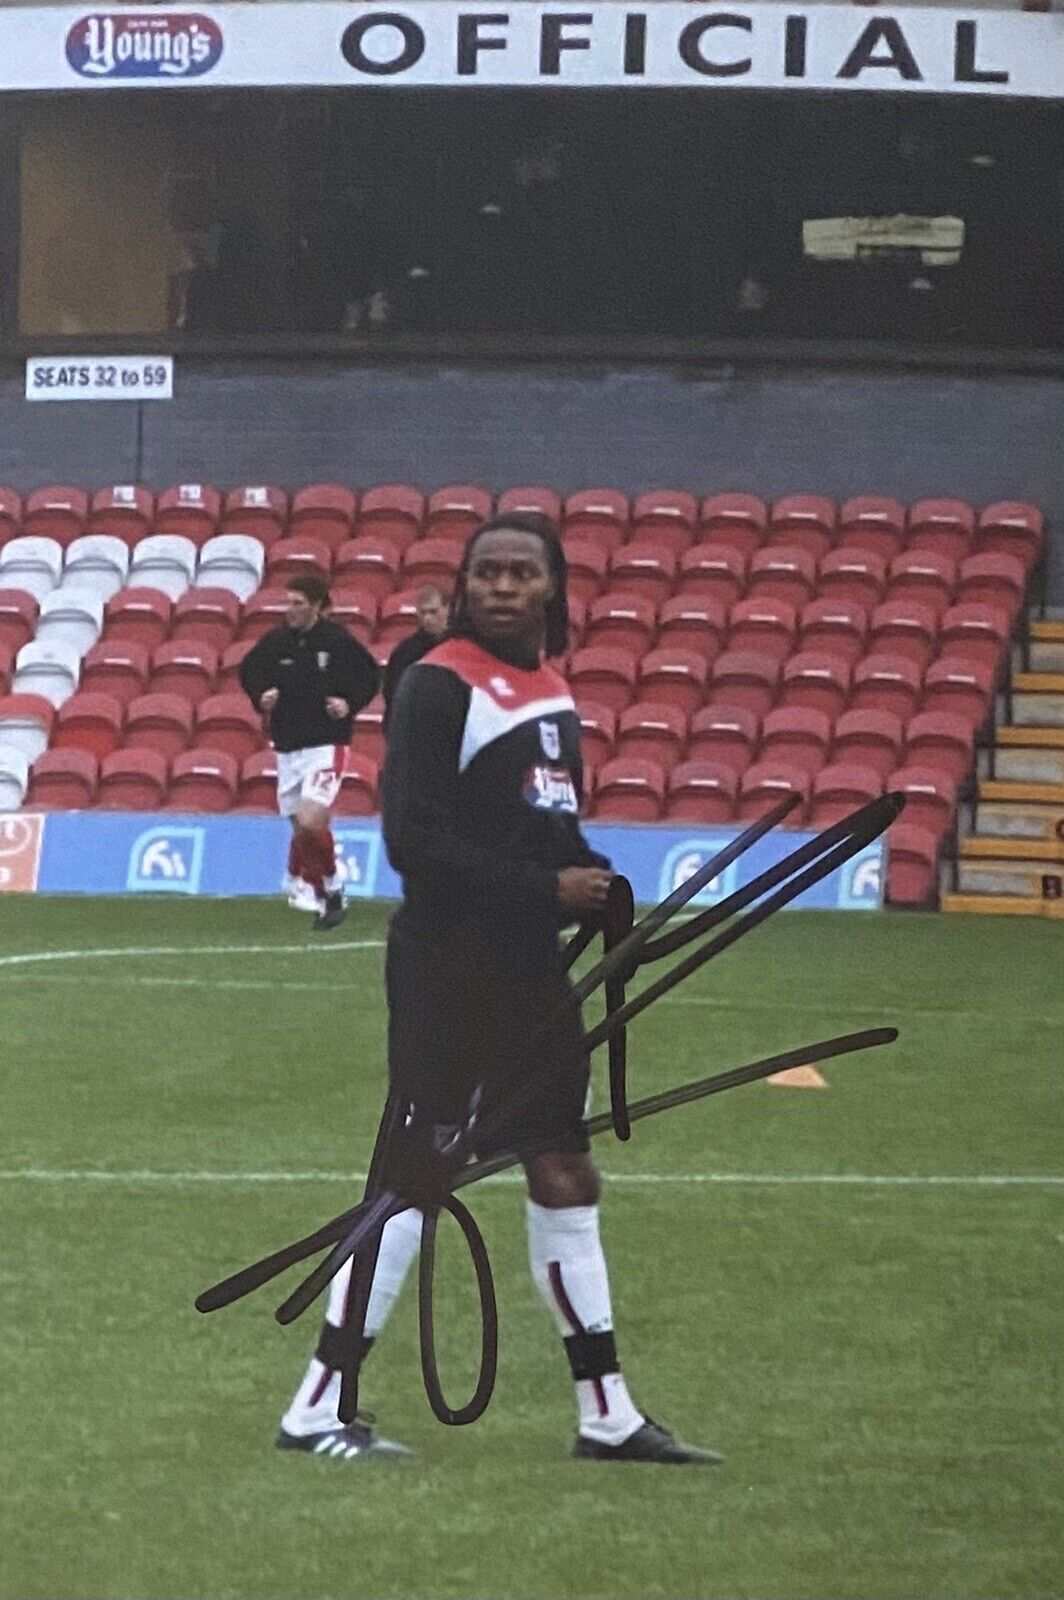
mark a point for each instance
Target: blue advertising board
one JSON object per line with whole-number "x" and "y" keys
{"x": 118, "y": 853}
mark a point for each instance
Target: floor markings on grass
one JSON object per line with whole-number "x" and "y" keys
{"x": 872, "y": 1180}
{"x": 126, "y": 952}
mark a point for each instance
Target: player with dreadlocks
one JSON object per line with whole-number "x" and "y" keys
{"x": 480, "y": 810}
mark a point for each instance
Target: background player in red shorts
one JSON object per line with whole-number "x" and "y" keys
{"x": 309, "y": 678}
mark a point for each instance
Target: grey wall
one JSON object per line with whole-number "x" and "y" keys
{"x": 840, "y": 432}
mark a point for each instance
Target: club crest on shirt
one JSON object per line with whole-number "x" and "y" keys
{"x": 550, "y": 739}
{"x": 323, "y": 660}
{"x": 550, "y": 789}
{"x": 502, "y": 688}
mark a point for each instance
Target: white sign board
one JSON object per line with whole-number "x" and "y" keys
{"x": 100, "y": 378}
{"x": 445, "y": 44}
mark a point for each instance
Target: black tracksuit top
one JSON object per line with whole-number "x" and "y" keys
{"x": 309, "y": 668}
{"x": 481, "y": 795}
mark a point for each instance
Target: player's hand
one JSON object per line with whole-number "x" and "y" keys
{"x": 336, "y": 707}
{"x": 583, "y": 890}
{"x": 268, "y": 700}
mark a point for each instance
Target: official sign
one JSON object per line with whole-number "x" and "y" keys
{"x": 100, "y": 378}
{"x": 441, "y": 44}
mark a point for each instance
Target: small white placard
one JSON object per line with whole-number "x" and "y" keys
{"x": 100, "y": 378}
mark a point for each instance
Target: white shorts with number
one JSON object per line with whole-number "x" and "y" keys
{"x": 313, "y": 774}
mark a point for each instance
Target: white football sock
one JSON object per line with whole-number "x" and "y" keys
{"x": 314, "y": 1404}
{"x": 569, "y": 1269}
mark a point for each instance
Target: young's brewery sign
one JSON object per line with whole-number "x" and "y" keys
{"x": 174, "y": 45}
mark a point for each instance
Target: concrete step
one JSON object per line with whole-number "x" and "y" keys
{"x": 1035, "y": 794}
{"x": 1026, "y": 879}
{"x": 1047, "y": 853}
{"x": 1030, "y": 763}
{"x": 1047, "y": 646}
{"x": 1003, "y": 905}
{"x": 1038, "y": 699}
{"x": 1003, "y": 819}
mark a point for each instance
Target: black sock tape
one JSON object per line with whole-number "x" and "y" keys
{"x": 592, "y": 1355}
{"x": 330, "y": 1351}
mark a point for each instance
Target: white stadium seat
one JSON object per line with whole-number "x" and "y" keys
{"x": 71, "y": 616}
{"x": 165, "y": 561}
{"x": 31, "y": 564}
{"x": 48, "y": 669}
{"x": 26, "y": 730}
{"x": 231, "y": 561}
{"x": 14, "y": 777}
{"x": 96, "y": 561}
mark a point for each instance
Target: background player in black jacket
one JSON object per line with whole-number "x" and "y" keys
{"x": 480, "y": 808}
{"x": 432, "y": 608}
{"x": 309, "y": 678}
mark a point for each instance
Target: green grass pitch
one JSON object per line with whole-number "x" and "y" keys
{"x": 879, "y": 1361}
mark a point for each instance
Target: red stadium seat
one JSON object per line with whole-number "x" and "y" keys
{"x": 886, "y": 683}
{"x": 392, "y": 511}
{"x": 763, "y": 785}
{"x": 629, "y": 791}
{"x": 766, "y": 627}
{"x": 723, "y": 735}
{"x": 368, "y": 736}
{"x": 665, "y": 516}
{"x": 358, "y": 787}
{"x": 124, "y": 511}
{"x": 816, "y": 681}
{"x": 63, "y": 780}
{"x": 7, "y": 665}
{"x": 930, "y": 796}
{"x": 646, "y": 567}
{"x": 869, "y": 739}
{"x": 57, "y": 512}
{"x": 141, "y": 615}
{"x": 712, "y": 572}
{"x": 945, "y": 526}
{"x": 258, "y": 783}
{"x": 695, "y": 622}
{"x": 89, "y": 721}
{"x": 964, "y": 688}
{"x": 675, "y": 678}
{"x": 535, "y": 500}
{"x": 266, "y": 609}
{"x": 132, "y": 780}
{"x": 1011, "y": 527}
{"x": 912, "y": 864}
{"x": 598, "y": 732}
{"x": 258, "y": 511}
{"x": 796, "y": 736}
{"x": 18, "y": 617}
{"x": 782, "y": 572}
{"x": 397, "y": 621}
{"x": 160, "y": 722}
{"x": 184, "y": 667}
{"x": 652, "y": 731}
{"x": 190, "y": 510}
{"x": 203, "y": 780}
{"x": 993, "y": 578}
{"x": 577, "y": 622}
{"x": 598, "y": 516}
{"x": 805, "y": 522}
{"x": 833, "y": 628}
{"x": 622, "y": 622}
{"x": 587, "y": 563}
{"x": 604, "y": 677}
{"x": 746, "y": 679}
{"x": 702, "y": 792}
{"x": 873, "y": 523}
{"x": 941, "y": 741}
{"x": 229, "y": 722}
{"x": 324, "y": 511}
{"x": 903, "y": 628}
{"x": 924, "y": 576}
{"x": 291, "y": 557}
{"x": 356, "y": 611}
{"x": 369, "y": 563}
{"x": 738, "y": 522}
{"x": 209, "y": 616}
{"x": 455, "y": 510}
{"x": 228, "y": 679}
{"x": 841, "y": 788}
{"x": 856, "y": 576}
{"x": 975, "y": 632}
{"x": 117, "y": 667}
{"x": 432, "y": 561}
{"x": 10, "y": 514}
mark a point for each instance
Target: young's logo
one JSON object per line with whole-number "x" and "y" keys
{"x": 167, "y": 860}
{"x": 357, "y": 858}
{"x": 551, "y": 789}
{"x": 144, "y": 45}
{"x": 861, "y": 880}
{"x": 551, "y": 740}
{"x": 684, "y": 860}
{"x": 20, "y": 853}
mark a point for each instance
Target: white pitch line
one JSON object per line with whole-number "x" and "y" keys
{"x": 125, "y": 952}
{"x": 980, "y": 1180}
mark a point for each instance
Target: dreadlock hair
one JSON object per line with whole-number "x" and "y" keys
{"x": 557, "y": 611}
